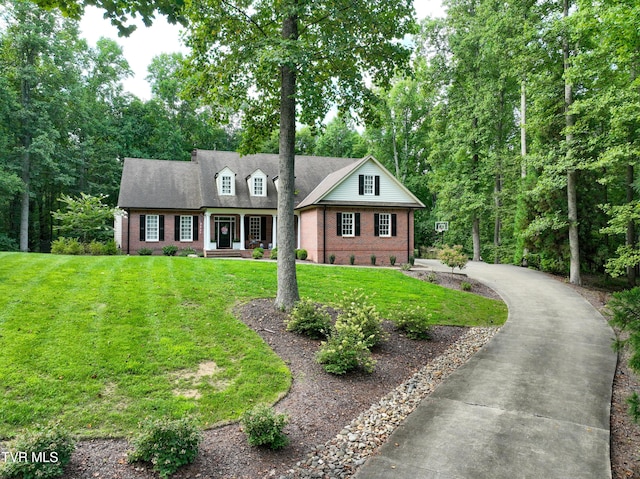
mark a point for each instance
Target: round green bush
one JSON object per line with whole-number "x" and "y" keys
{"x": 167, "y": 444}
{"x": 264, "y": 427}
{"x": 48, "y": 450}
{"x": 307, "y": 319}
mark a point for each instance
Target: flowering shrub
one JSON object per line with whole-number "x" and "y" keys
{"x": 167, "y": 444}
{"x": 345, "y": 350}
{"x": 307, "y": 319}
{"x": 357, "y": 311}
{"x": 41, "y": 453}
{"x": 264, "y": 427}
{"x": 453, "y": 257}
{"x": 414, "y": 322}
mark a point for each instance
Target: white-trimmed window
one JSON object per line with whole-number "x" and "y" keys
{"x": 258, "y": 186}
{"x": 384, "y": 224}
{"x": 369, "y": 183}
{"x": 255, "y": 228}
{"x": 257, "y": 183}
{"x": 226, "y": 183}
{"x": 152, "y": 228}
{"x": 348, "y": 224}
{"x": 186, "y": 228}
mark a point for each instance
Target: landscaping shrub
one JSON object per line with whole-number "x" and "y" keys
{"x": 48, "y": 450}
{"x": 405, "y": 267}
{"x": 301, "y": 254}
{"x": 186, "y": 252}
{"x": 264, "y": 427}
{"x": 332, "y": 258}
{"x": 392, "y": 260}
{"x": 167, "y": 444}
{"x": 412, "y": 260}
{"x": 414, "y": 322}
{"x": 373, "y": 260}
{"x": 71, "y": 246}
{"x": 169, "y": 250}
{"x": 145, "y": 251}
{"x": 453, "y": 257}
{"x": 274, "y": 253}
{"x": 306, "y": 318}
{"x": 8, "y": 244}
{"x": 258, "y": 253}
{"x": 110, "y": 247}
{"x": 345, "y": 350}
{"x": 356, "y": 310}
{"x": 95, "y": 248}
{"x": 352, "y": 260}
{"x": 465, "y": 286}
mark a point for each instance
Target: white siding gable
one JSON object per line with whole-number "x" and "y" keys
{"x": 390, "y": 191}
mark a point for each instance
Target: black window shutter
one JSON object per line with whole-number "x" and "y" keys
{"x": 161, "y": 232}
{"x": 377, "y": 185}
{"x": 196, "y": 227}
{"x": 143, "y": 226}
{"x": 339, "y": 223}
{"x": 361, "y": 184}
{"x": 376, "y": 224}
{"x": 176, "y": 228}
{"x": 263, "y": 227}
{"x": 357, "y": 223}
{"x": 394, "y": 224}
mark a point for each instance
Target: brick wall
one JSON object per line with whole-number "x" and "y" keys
{"x": 363, "y": 246}
{"x": 133, "y": 223}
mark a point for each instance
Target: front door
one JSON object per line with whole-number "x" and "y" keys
{"x": 224, "y": 234}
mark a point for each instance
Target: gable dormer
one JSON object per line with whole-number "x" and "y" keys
{"x": 226, "y": 182}
{"x": 257, "y": 183}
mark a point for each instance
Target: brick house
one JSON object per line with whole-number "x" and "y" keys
{"x": 226, "y": 205}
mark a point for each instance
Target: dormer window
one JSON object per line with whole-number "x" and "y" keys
{"x": 258, "y": 187}
{"x": 226, "y": 182}
{"x": 226, "y": 185}
{"x": 257, "y": 183}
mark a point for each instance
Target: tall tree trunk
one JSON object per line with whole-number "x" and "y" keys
{"x": 287, "y": 294}
{"x": 497, "y": 226}
{"x": 394, "y": 140}
{"x": 475, "y": 219}
{"x": 26, "y": 167}
{"x": 476, "y": 238}
{"x": 523, "y": 129}
{"x": 523, "y": 153}
{"x": 572, "y": 174}
{"x": 24, "y": 201}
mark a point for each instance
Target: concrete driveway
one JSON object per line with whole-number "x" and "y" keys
{"x": 533, "y": 403}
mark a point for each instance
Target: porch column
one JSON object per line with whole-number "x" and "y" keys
{"x": 299, "y": 231}
{"x": 207, "y": 230}
{"x": 242, "y": 233}
{"x": 274, "y": 230}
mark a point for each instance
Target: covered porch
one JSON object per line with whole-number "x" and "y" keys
{"x": 239, "y": 231}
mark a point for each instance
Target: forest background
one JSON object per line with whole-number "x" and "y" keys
{"x": 518, "y": 123}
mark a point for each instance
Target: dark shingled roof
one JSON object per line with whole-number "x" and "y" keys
{"x": 163, "y": 184}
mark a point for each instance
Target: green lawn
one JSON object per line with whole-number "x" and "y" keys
{"x": 99, "y": 343}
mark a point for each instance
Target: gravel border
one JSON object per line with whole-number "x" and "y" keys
{"x": 340, "y": 457}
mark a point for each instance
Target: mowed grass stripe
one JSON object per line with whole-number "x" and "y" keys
{"x": 102, "y": 342}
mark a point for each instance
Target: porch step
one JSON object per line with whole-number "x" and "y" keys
{"x": 222, "y": 253}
